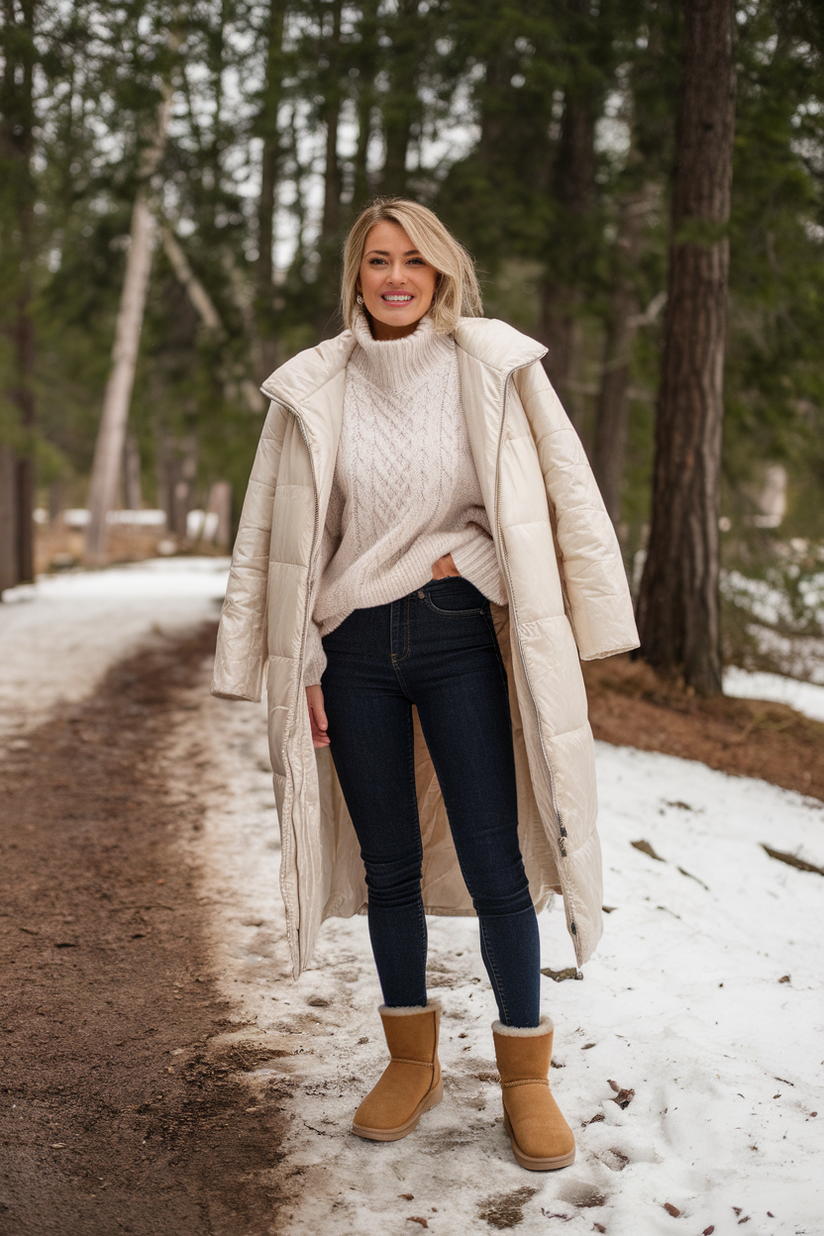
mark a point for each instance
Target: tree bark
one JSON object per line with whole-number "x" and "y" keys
{"x": 367, "y": 68}
{"x": 132, "y": 489}
{"x": 108, "y": 453}
{"x": 220, "y": 504}
{"x": 332, "y": 175}
{"x": 678, "y": 608}
{"x": 612, "y": 412}
{"x": 267, "y": 130}
{"x": 184, "y": 485}
{"x": 201, "y": 301}
{"x": 401, "y": 103}
{"x": 560, "y": 292}
{"x": 9, "y": 566}
{"x": 16, "y": 148}
{"x": 328, "y": 242}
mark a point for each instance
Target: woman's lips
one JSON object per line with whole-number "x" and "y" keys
{"x": 397, "y": 298}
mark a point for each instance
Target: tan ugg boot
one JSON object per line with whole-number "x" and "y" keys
{"x": 411, "y": 1082}
{"x": 541, "y": 1138}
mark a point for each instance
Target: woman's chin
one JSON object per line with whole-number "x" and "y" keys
{"x": 390, "y": 325}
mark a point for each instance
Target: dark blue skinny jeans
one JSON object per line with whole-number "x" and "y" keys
{"x": 435, "y": 648}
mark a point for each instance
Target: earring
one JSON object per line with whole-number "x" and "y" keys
{"x": 359, "y": 298}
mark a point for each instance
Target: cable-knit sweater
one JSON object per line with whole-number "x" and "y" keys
{"x": 405, "y": 490}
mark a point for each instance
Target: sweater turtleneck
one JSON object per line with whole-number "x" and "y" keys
{"x": 405, "y": 490}
{"x": 399, "y": 364}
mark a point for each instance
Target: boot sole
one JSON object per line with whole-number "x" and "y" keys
{"x": 394, "y": 1135}
{"x": 537, "y": 1165}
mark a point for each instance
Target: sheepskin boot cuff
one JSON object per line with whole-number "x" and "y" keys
{"x": 525, "y": 1032}
{"x": 540, "y": 1136}
{"x": 406, "y": 1010}
{"x": 411, "y": 1082}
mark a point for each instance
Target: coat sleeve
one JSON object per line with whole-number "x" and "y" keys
{"x": 240, "y": 659}
{"x": 599, "y": 604}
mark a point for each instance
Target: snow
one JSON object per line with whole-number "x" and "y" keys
{"x": 60, "y": 635}
{"x": 704, "y": 995}
{"x": 783, "y": 632}
{"x": 767, "y": 600}
{"x": 805, "y": 697}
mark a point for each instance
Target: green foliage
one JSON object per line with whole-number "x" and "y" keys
{"x": 775, "y": 387}
{"x": 527, "y": 126}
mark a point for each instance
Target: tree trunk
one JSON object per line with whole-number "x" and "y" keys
{"x": 678, "y": 608}
{"x": 57, "y": 498}
{"x": 212, "y": 322}
{"x": 108, "y": 452}
{"x": 401, "y": 104}
{"x": 332, "y": 175}
{"x": 132, "y": 489}
{"x": 24, "y": 339}
{"x": 560, "y": 292}
{"x": 201, "y": 301}
{"x": 166, "y": 466}
{"x": 612, "y": 413}
{"x": 9, "y": 566}
{"x": 220, "y": 504}
{"x": 184, "y": 485}
{"x": 328, "y": 242}
{"x": 367, "y": 68}
{"x": 266, "y": 129}
{"x": 16, "y": 147}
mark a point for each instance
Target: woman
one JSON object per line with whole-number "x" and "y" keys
{"x": 422, "y": 545}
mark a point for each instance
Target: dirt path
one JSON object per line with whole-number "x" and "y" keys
{"x": 119, "y": 1113}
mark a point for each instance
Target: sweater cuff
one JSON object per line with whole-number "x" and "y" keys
{"x": 315, "y": 660}
{"x": 478, "y": 563}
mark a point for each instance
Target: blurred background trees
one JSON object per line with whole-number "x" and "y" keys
{"x": 544, "y": 134}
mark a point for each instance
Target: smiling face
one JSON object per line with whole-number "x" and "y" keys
{"x": 396, "y": 282}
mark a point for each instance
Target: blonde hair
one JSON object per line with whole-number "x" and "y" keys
{"x": 456, "y": 291}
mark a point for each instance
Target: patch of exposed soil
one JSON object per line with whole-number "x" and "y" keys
{"x": 631, "y": 707}
{"x": 505, "y": 1210}
{"x": 117, "y": 1113}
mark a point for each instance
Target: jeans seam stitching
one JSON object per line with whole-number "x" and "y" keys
{"x": 410, "y": 748}
{"x": 407, "y": 650}
{"x": 501, "y": 667}
{"x": 498, "y": 985}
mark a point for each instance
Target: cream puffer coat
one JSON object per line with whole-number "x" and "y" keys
{"x": 566, "y": 585}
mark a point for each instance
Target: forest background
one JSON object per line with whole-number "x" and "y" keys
{"x": 542, "y": 133}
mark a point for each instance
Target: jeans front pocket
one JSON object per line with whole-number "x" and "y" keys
{"x": 454, "y": 597}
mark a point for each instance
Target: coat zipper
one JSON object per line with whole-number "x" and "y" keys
{"x": 294, "y": 941}
{"x": 305, "y": 437}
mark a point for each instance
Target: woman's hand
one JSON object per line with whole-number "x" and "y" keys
{"x": 444, "y": 567}
{"x": 317, "y": 716}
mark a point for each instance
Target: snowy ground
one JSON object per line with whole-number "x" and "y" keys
{"x": 806, "y": 697}
{"x": 704, "y": 996}
{"x": 59, "y": 636}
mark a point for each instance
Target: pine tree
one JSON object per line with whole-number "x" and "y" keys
{"x": 678, "y": 608}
